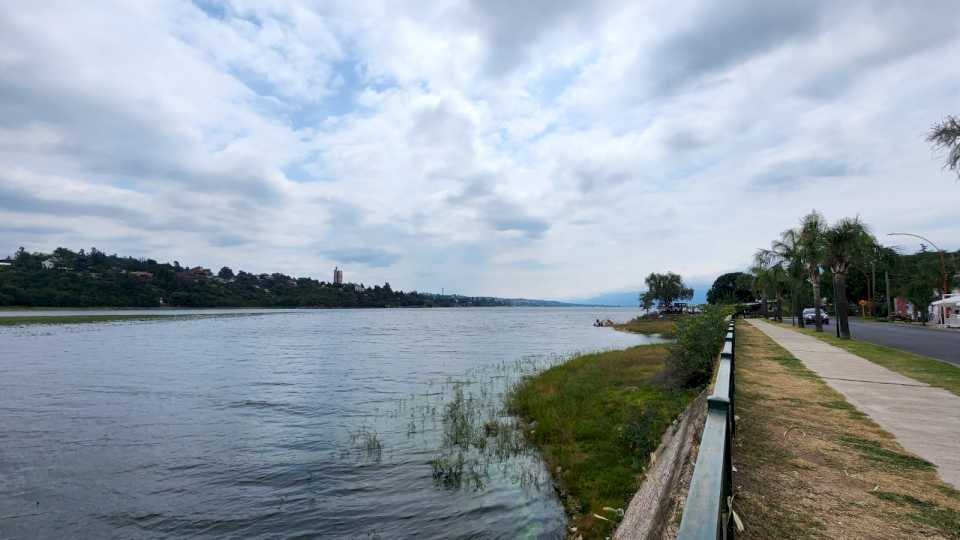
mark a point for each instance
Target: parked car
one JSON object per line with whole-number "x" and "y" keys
{"x": 809, "y": 316}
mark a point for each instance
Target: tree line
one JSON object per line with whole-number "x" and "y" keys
{"x": 93, "y": 278}
{"x": 818, "y": 261}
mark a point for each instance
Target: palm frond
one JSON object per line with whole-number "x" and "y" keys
{"x": 945, "y": 135}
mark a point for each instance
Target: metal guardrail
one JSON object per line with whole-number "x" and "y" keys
{"x": 707, "y": 512}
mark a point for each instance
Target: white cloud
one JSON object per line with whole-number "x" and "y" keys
{"x": 540, "y": 149}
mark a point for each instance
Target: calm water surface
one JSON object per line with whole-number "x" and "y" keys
{"x": 260, "y": 426}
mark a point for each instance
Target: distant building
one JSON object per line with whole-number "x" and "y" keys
{"x": 49, "y": 264}
{"x": 902, "y": 307}
{"x": 194, "y": 274}
{"x": 337, "y": 276}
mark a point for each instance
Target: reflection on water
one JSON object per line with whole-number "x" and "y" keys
{"x": 339, "y": 423}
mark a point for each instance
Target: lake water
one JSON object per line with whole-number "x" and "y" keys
{"x": 279, "y": 424}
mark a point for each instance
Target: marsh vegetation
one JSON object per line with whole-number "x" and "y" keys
{"x": 664, "y": 328}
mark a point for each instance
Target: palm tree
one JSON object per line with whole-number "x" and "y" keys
{"x": 761, "y": 280}
{"x": 946, "y": 136}
{"x": 781, "y": 283}
{"x": 769, "y": 276}
{"x": 785, "y": 254}
{"x": 810, "y": 245}
{"x": 845, "y": 242}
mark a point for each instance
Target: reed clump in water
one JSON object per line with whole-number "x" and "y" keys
{"x": 367, "y": 441}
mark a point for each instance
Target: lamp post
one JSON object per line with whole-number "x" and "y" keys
{"x": 943, "y": 270}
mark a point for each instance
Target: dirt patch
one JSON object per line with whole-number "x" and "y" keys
{"x": 809, "y": 465}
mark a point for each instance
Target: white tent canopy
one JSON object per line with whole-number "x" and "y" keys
{"x": 947, "y": 301}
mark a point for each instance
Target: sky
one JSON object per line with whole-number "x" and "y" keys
{"x": 545, "y": 149}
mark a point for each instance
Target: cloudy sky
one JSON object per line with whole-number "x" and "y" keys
{"x": 545, "y": 148}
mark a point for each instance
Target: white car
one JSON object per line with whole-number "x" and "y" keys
{"x": 810, "y": 317}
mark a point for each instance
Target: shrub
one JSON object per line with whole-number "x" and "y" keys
{"x": 699, "y": 339}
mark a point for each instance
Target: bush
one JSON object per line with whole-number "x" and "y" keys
{"x": 699, "y": 339}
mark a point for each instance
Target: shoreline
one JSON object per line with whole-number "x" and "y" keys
{"x": 30, "y": 320}
{"x": 595, "y": 419}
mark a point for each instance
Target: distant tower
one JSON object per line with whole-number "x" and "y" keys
{"x": 337, "y": 275}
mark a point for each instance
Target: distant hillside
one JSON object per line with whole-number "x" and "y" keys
{"x": 94, "y": 279}
{"x": 630, "y": 298}
{"x": 518, "y": 302}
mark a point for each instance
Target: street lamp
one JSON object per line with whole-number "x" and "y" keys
{"x": 943, "y": 270}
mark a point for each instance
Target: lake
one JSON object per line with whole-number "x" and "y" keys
{"x": 289, "y": 424}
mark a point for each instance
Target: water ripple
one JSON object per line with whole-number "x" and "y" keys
{"x": 300, "y": 424}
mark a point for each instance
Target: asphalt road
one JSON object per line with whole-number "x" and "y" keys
{"x": 940, "y": 344}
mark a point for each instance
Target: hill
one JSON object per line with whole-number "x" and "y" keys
{"x": 66, "y": 278}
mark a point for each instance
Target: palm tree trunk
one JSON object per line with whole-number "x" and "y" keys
{"x": 798, "y": 305}
{"x": 763, "y": 305}
{"x": 836, "y": 298}
{"x": 815, "y": 281}
{"x": 843, "y": 320}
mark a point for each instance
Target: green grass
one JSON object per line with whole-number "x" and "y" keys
{"x": 665, "y": 327}
{"x": 596, "y": 419}
{"x": 917, "y": 367}
{"x": 838, "y": 404}
{"x": 888, "y": 458}
{"x": 926, "y": 512}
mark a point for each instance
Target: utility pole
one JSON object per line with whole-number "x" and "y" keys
{"x": 890, "y": 302}
{"x": 943, "y": 270}
{"x": 873, "y": 286}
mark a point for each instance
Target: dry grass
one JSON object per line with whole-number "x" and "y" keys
{"x": 811, "y": 466}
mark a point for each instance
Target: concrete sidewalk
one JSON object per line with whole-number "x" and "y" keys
{"x": 924, "y": 419}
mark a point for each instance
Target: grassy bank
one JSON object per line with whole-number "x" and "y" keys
{"x": 809, "y": 465}
{"x": 75, "y": 319}
{"x": 81, "y": 319}
{"x": 921, "y": 368}
{"x": 596, "y": 418}
{"x": 665, "y": 327}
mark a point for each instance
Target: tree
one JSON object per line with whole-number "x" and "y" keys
{"x": 769, "y": 278}
{"x": 761, "y": 281}
{"x": 919, "y": 288}
{"x": 887, "y": 261}
{"x": 729, "y": 289}
{"x": 787, "y": 254}
{"x": 920, "y": 278}
{"x": 946, "y": 136}
{"x": 225, "y": 273}
{"x": 811, "y": 250}
{"x": 845, "y": 242}
{"x": 663, "y": 290}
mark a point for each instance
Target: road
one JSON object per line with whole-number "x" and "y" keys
{"x": 940, "y": 344}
